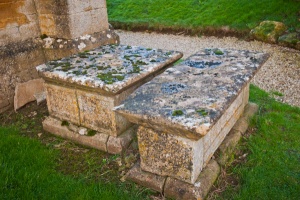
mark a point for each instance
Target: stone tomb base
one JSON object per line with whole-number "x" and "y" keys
{"x": 90, "y": 138}
{"x": 178, "y": 189}
{"x": 171, "y": 155}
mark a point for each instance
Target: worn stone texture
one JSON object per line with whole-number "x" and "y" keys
{"x": 71, "y": 132}
{"x": 18, "y": 60}
{"x": 189, "y": 98}
{"x": 116, "y": 145}
{"x": 268, "y": 31}
{"x": 18, "y": 21}
{"x": 24, "y": 92}
{"x": 62, "y": 103}
{"x": 96, "y": 111}
{"x": 72, "y": 18}
{"x": 177, "y": 189}
{"x": 167, "y": 154}
{"x": 146, "y": 179}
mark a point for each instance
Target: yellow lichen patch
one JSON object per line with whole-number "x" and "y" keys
{"x": 9, "y": 13}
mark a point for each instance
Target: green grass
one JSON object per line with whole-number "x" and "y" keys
{"x": 237, "y": 14}
{"x": 27, "y": 171}
{"x": 272, "y": 170}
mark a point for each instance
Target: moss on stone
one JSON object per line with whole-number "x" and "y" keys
{"x": 110, "y": 78}
{"x": 218, "y": 52}
{"x": 177, "y": 113}
{"x": 202, "y": 112}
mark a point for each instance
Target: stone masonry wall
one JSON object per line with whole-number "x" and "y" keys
{"x": 34, "y": 31}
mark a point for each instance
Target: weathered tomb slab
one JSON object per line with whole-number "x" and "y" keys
{"x": 189, "y": 98}
{"x": 84, "y": 88}
{"x": 197, "y": 101}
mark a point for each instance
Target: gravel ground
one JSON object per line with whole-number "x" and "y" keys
{"x": 280, "y": 73}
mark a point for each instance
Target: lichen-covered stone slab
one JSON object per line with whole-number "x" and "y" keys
{"x": 188, "y": 99}
{"x": 108, "y": 69}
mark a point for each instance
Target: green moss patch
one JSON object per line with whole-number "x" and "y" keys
{"x": 177, "y": 113}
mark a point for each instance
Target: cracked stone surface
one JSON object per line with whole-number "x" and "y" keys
{"x": 109, "y": 68}
{"x": 189, "y": 98}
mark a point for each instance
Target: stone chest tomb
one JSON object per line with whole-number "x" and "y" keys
{"x": 83, "y": 89}
{"x": 185, "y": 113}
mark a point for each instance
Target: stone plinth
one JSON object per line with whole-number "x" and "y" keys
{"x": 83, "y": 89}
{"x": 186, "y": 112}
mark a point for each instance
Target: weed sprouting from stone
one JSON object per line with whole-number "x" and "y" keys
{"x": 65, "y": 123}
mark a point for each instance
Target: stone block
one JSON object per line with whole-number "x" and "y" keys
{"x": 227, "y": 147}
{"x": 96, "y": 4}
{"x": 55, "y": 25}
{"x": 250, "y": 110}
{"x": 116, "y": 145}
{"x": 222, "y": 122}
{"x": 166, "y": 154}
{"x": 24, "y": 92}
{"x": 241, "y": 125}
{"x": 96, "y": 111}
{"x": 88, "y": 22}
{"x": 69, "y": 132}
{"x": 180, "y": 190}
{"x": 31, "y": 29}
{"x": 146, "y": 179}
{"x": 215, "y": 142}
{"x": 77, "y": 6}
{"x": 73, "y": 25}
{"x": 62, "y": 103}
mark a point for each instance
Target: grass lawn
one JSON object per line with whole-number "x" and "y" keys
{"x": 268, "y": 165}
{"x": 28, "y": 171}
{"x": 31, "y": 168}
{"x": 193, "y": 14}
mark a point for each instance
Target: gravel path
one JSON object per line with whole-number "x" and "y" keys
{"x": 280, "y": 73}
